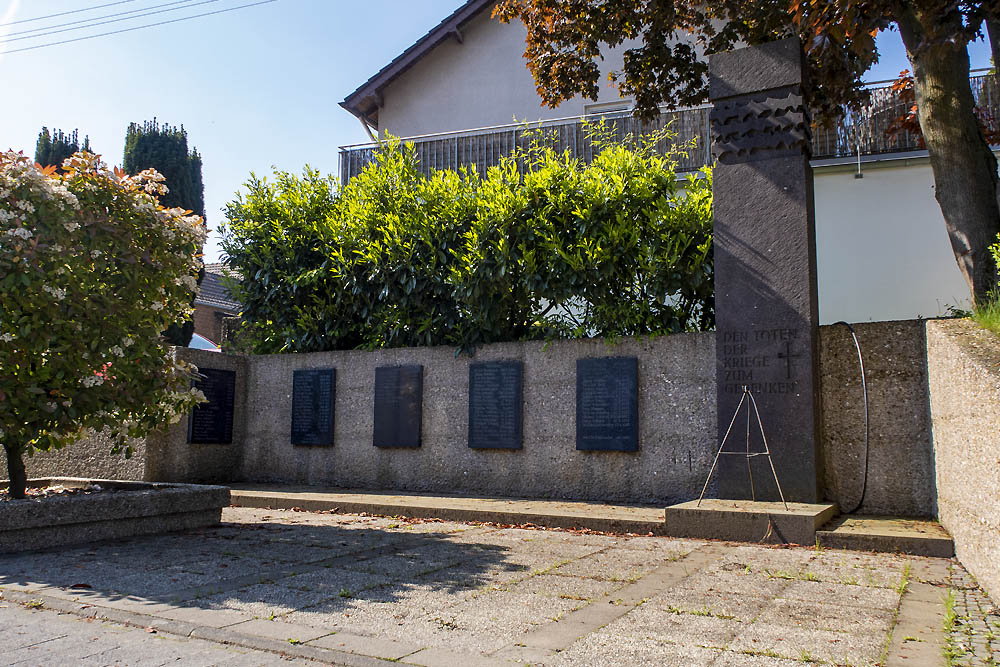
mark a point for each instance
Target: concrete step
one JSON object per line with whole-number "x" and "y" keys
{"x": 597, "y": 516}
{"x": 748, "y": 521}
{"x": 916, "y": 537}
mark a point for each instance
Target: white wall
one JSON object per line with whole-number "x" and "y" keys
{"x": 482, "y": 82}
{"x": 882, "y": 248}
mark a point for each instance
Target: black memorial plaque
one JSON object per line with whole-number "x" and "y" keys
{"x": 495, "y": 405}
{"x": 765, "y": 266}
{"x": 211, "y": 423}
{"x": 313, "y": 396}
{"x": 607, "y": 404}
{"x": 398, "y": 399}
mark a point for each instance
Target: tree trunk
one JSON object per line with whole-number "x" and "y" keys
{"x": 965, "y": 169}
{"x": 993, "y": 38}
{"x": 15, "y": 471}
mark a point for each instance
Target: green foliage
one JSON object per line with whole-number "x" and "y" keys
{"x": 52, "y": 149}
{"x": 92, "y": 269}
{"x": 987, "y": 312}
{"x": 165, "y": 149}
{"x": 541, "y": 246}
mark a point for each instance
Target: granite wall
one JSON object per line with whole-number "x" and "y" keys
{"x": 676, "y": 424}
{"x": 964, "y": 377}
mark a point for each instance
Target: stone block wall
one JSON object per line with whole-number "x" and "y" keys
{"x": 676, "y": 424}
{"x": 160, "y": 457}
{"x": 900, "y": 459}
{"x": 964, "y": 377}
{"x": 169, "y": 457}
{"x": 677, "y": 437}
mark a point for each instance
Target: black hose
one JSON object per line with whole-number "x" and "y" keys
{"x": 864, "y": 390}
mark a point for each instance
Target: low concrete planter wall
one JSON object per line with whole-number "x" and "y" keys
{"x": 963, "y": 363}
{"x": 125, "y": 509}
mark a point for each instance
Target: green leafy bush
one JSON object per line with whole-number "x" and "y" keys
{"x": 987, "y": 314}
{"x": 541, "y": 246}
{"x": 92, "y": 269}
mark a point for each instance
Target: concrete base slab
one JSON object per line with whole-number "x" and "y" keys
{"x": 549, "y": 513}
{"x": 748, "y": 521}
{"x": 916, "y": 537}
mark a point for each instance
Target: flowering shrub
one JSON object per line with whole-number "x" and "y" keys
{"x": 92, "y": 269}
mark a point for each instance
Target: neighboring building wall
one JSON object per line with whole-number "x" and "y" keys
{"x": 482, "y": 82}
{"x": 208, "y": 322}
{"x": 881, "y": 243}
{"x": 964, "y": 377}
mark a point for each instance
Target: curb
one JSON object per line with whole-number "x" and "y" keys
{"x": 184, "y": 629}
{"x": 264, "y": 500}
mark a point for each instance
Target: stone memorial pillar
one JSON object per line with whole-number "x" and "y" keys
{"x": 765, "y": 268}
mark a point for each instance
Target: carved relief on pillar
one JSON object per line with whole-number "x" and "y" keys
{"x": 761, "y": 126}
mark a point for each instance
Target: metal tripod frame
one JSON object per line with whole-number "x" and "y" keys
{"x": 749, "y": 455}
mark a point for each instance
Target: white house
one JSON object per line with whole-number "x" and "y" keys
{"x": 460, "y": 92}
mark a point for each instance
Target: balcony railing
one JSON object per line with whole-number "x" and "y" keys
{"x": 865, "y": 131}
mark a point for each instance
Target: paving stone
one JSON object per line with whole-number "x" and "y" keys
{"x": 438, "y": 657}
{"x": 371, "y": 646}
{"x": 213, "y": 618}
{"x": 263, "y": 600}
{"x": 822, "y": 615}
{"x": 730, "y": 659}
{"x": 481, "y": 594}
{"x": 41, "y": 637}
{"x": 609, "y": 651}
{"x": 279, "y": 630}
{"x": 842, "y": 595}
{"x": 862, "y": 647}
{"x": 333, "y": 580}
{"x": 574, "y": 588}
{"x": 732, "y": 583}
{"x": 650, "y": 623}
{"x": 613, "y": 565}
{"x": 749, "y": 559}
{"x": 720, "y": 604}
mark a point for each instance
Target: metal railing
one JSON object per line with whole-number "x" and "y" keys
{"x": 866, "y": 130}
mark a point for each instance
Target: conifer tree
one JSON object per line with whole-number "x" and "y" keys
{"x": 165, "y": 149}
{"x": 52, "y": 149}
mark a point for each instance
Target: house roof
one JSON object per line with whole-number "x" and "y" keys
{"x": 367, "y": 99}
{"x": 213, "y": 293}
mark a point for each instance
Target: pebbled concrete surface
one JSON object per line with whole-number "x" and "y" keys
{"x": 364, "y": 590}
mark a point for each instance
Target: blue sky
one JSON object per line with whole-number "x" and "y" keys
{"x": 254, "y": 87}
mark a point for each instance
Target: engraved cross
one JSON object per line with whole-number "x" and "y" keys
{"x": 788, "y": 356}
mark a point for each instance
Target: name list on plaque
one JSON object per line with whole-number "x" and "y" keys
{"x": 398, "y": 400}
{"x": 313, "y": 396}
{"x": 211, "y": 423}
{"x": 607, "y": 404}
{"x": 495, "y": 405}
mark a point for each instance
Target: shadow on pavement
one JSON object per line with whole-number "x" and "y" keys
{"x": 269, "y": 568}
